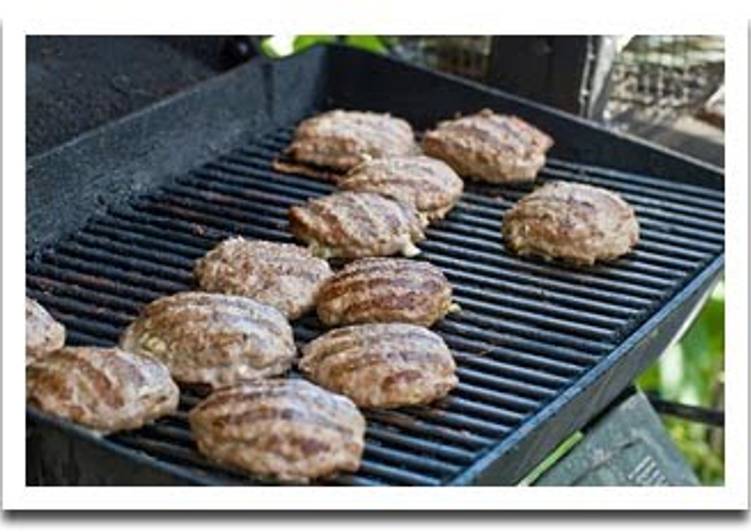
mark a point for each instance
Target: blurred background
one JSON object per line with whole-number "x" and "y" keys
{"x": 665, "y": 89}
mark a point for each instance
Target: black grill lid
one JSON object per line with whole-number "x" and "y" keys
{"x": 540, "y": 347}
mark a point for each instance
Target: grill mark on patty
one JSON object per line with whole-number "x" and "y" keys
{"x": 503, "y": 132}
{"x": 362, "y": 339}
{"x": 104, "y": 388}
{"x": 381, "y": 130}
{"x": 395, "y": 306}
{"x": 529, "y": 133}
{"x": 273, "y": 444}
{"x": 44, "y": 334}
{"x": 336, "y": 369}
{"x": 224, "y": 338}
{"x": 264, "y": 412}
{"x": 413, "y": 183}
{"x": 369, "y": 294}
{"x": 128, "y": 372}
{"x": 96, "y": 380}
{"x": 368, "y": 265}
{"x": 374, "y": 214}
{"x": 219, "y": 351}
{"x": 574, "y": 222}
{"x": 257, "y": 311}
{"x": 423, "y": 195}
{"x": 405, "y": 375}
{"x": 163, "y": 314}
{"x": 245, "y": 260}
{"x": 208, "y": 327}
{"x": 374, "y": 135}
{"x": 348, "y": 218}
{"x": 330, "y": 221}
{"x": 477, "y": 133}
{"x": 92, "y": 377}
{"x": 231, "y": 396}
{"x": 377, "y": 274}
{"x": 353, "y": 133}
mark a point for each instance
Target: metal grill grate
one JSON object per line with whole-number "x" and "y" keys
{"x": 528, "y": 330}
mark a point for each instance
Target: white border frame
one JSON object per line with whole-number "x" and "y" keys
{"x": 390, "y": 16}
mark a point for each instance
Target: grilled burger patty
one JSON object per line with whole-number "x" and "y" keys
{"x": 428, "y": 184}
{"x": 284, "y": 276}
{"x": 342, "y": 139}
{"x": 577, "y": 223}
{"x": 43, "y": 333}
{"x": 212, "y": 339}
{"x": 385, "y": 290}
{"x": 356, "y": 224}
{"x": 104, "y": 389}
{"x": 489, "y": 147}
{"x": 290, "y": 430}
{"x": 381, "y": 365}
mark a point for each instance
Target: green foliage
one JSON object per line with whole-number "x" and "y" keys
{"x": 372, "y": 43}
{"x": 267, "y": 47}
{"x": 692, "y": 372}
{"x": 302, "y": 42}
{"x": 694, "y": 441}
{"x": 558, "y": 453}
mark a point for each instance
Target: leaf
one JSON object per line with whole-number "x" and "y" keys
{"x": 699, "y": 359}
{"x": 267, "y": 47}
{"x": 371, "y": 43}
{"x": 302, "y": 42}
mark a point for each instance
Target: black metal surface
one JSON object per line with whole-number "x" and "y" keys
{"x": 541, "y": 348}
{"x": 553, "y": 69}
{"x": 75, "y": 83}
{"x": 698, "y": 414}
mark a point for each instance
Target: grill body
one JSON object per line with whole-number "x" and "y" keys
{"x": 117, "y": 217}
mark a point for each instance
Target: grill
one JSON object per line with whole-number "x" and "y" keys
{"x": 541, "y": 348}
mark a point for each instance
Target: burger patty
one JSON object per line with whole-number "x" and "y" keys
{"x": 290, "y": 430}
{"x": 385, "y": 290}
{"x": 577, "y": 223}
{"x": 430, "y": 185}
{"x": 44, "y": 334}
{"x": 356, "y": 224}
{"x": 340, "y": 140}
{"x": 383, "y": 365}
{"x": 213, "y": 339}
{"x": 285, "y": 276}
{"x": 104, "y": 389}
{"x": 489, "y": 147}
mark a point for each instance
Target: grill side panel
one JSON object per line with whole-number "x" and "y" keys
{"x": 144, "y": 150}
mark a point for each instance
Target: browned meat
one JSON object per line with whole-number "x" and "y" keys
{"x": 290, "y": 430}
{"x": 356, "y": 224}
{"x": 489, "y": 147}
{"x": 43, "y": 333}
{"x": 342, "y": 139}
{"x": 428, "y": 184}
{"x": 284, "y": 276}
{"x": 577, "y": 223}
{"x": 384, "y": 290}
{"x": 213, "y": 339}
{"x": 104, "y": 389}
{"x": 383, "y": 365}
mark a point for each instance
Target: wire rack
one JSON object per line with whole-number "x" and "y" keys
{"x": 467, "y": 56}
{"x": 665, "y": 75}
